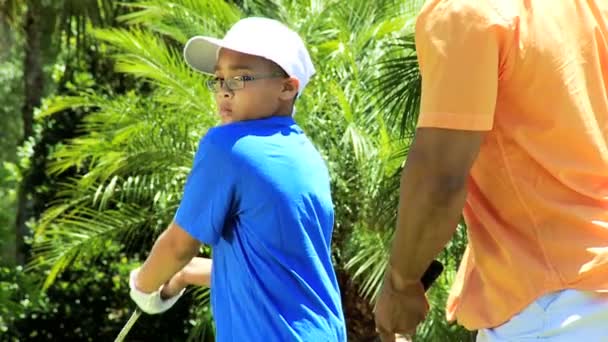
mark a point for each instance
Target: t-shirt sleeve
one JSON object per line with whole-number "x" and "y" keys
{"x": 458, "y": 45}
{"x": 209, "y": 193}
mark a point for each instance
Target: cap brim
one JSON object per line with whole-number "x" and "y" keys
{"x": 201, "y": 53}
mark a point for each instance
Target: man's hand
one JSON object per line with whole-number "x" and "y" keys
{"x": 150, "y": 303}
{"x": 399, "y": 311}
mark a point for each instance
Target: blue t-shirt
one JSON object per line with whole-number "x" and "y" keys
{"x": 259, "y": 194}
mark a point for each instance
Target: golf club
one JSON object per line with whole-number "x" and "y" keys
{"x": 125, "y": 330}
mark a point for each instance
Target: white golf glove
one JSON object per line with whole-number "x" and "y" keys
{"x": 150, "y": 303}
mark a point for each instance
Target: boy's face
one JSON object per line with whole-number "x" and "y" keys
{"x": 259, "y": 98}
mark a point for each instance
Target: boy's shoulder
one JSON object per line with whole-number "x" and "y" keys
{"x": 226, "y": 140}
{"x": 217, "y": 134}
{"x": 229, "y": 134}
{"x": 223, "y": 136}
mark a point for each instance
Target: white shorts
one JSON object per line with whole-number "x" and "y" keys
{"x": 563, "y": 316}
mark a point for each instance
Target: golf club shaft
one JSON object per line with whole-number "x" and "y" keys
{"x": 125, "y": 330}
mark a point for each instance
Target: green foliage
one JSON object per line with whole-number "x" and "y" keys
{"x": 19, "y": 297}
{"x": 10, "y": 133}
{"x": 131, "y": 161}
{"x": 86, "y": 303}
{"x": 12, "y": 97}
{"x": 118, "y": 178}
{"x": 8, "y": 180}
{"x": 182, "y": 19}
{"x": 135, "y": 162}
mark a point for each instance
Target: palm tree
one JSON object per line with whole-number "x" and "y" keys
{"x": 136, "y": 150}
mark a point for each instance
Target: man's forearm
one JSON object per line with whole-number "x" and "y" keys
{"x": 429, "y": 210}
{"x": 164, "y": 261}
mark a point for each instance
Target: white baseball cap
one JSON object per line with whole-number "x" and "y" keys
{"x": 261, "y": 37}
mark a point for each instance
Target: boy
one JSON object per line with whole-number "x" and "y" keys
{"x": 259, "y": 194}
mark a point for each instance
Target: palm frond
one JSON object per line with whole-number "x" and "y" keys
{"x": 368, "y": 264}
{"x": 131, "y": 157}
{"x": 182, "y": 19}
{"x": 81, "y": 234}
{"x": 203, "y": 329}
{"x": 145, "y": 55}
{"x": 60, "y": 103}
{"x": 126, "y": 134}
{"x": 397, "y": 87}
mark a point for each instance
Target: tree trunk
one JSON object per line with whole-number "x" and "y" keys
{"x": 358, "y": 312}
{"x": 33, "y": 88}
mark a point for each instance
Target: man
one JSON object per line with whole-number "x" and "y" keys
{"x": 513, "y": 129}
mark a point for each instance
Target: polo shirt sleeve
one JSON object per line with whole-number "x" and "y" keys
{"x": 458, "y": 46}
{"x": 209, "y": 193}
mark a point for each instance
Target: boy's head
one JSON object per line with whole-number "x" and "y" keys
{"x": 259, "y": 68}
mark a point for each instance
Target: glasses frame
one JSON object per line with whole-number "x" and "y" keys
{"x": 237, "y": 82}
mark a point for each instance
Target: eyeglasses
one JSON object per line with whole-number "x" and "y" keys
{"x": 238, "y": 82}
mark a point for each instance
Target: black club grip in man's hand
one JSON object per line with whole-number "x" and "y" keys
{"x": 431, "y": 274}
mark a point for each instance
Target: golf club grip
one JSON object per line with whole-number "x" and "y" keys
{"x": 431, "y": 274}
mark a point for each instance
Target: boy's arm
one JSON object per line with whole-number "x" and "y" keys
{"x": 197, "y": 272}
{"x": 207, "y": 202}
{"x": 173, "y": 249}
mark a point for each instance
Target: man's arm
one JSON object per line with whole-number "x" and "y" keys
{"x": 432, "y": 196}
{"x": 173, "y": 249}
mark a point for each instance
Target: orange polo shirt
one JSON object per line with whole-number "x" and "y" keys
{"x": 534, "y": 75}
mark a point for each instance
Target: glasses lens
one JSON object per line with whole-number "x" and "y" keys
{"x": 230, "y": 83}
{"x": 234, "y": 83}
{"x": 213, "y": 85}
